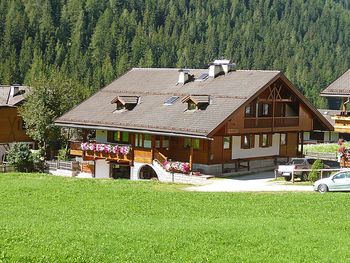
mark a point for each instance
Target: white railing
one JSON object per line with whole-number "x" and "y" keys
{"x": 64, "y": 165}
{"x": 6, "y": 168}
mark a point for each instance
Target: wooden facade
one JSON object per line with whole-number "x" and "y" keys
{"x": 11, "y": 126}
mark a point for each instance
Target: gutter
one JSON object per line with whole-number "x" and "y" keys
{"x": 131, "y": 130}
{"x": 334, "y": 95}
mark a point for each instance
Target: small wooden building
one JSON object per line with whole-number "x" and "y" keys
{"x": 340, "y": 89}
{"x": 12, "y": 128}
{"x": 198, "y": 120}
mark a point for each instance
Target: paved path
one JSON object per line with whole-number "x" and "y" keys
{"x": 260, "y": 182}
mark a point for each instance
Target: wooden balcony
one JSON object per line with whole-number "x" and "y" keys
{"x": 75, "y": 149}
{"x": 269, "y": 122}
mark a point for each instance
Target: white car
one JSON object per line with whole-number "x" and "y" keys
{"x": 339, "y": 181}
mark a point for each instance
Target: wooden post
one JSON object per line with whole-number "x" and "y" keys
{"x": 293, "y": 176}
{"x": 191, "y": 157}
{"x": 321, "y": 173}
{"x": 343, "y": 105}
{"x": 302, "y": 143}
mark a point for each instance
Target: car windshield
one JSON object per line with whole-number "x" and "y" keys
{"x": 298, "y": 161}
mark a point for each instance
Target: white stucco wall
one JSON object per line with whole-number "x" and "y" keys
{"x": 101, "y": 169}
{"x": 101, "y": 136}
{"x": 257, "y": 151}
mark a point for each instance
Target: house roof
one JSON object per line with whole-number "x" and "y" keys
{"x": 11, "y": 101}
{"x": 154, "y": 86}
{"x": 339, "y": 88}
{"x": 328, "y": 114}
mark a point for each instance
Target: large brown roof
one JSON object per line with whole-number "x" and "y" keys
{"x": 154, "y": 86}
{"x": 340, "y": 87}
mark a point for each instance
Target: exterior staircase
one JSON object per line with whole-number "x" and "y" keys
{"x": 165, "y": 176}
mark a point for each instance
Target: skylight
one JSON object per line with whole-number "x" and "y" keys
{"x": 171, "y": 100}
{"x": 202, "y": 77}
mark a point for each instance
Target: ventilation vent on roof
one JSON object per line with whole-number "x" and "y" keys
{"x": 171, "y": 100}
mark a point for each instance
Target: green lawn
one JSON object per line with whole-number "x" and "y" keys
{"x": 323, "y": 147}
{"x": 53, "y": 219}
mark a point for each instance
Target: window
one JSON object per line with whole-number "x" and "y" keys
{"x": 147, "y": 141}
{"x": 118, "y": 136}
{"x": 191, "y": 105}
{"x": 165, "y": 142}
{"x": 157, "y": 142}
{"x": 138, "y": 140}
{"x": 283, "y": 139}
{"x": 122, "y": 137}
{"x": 227, "y": 143}
{"x": 195, "y": 143}
{"x": 120, "y": 106}
{"x": 265, "y": 140}
{"x": 247, "y": 141}
{"x": 248, "y": 111}
{"x": 264, "y": 110}
{"x": 143, "y": 140}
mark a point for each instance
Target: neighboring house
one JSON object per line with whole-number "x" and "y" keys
{"x": 319, "y": 136}
{"x": 12, "y": 128}
{"x": 214, "y": 120}
{"x": 340, "y": 89}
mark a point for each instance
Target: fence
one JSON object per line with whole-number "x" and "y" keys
{"x": 322, "y": 156}
{"x": 322, "y": 171}
{"x": 64, "y": 165}
{"x": 6, "y": 168}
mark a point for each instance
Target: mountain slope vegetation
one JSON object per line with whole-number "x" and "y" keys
{"x": 94, "y": 42}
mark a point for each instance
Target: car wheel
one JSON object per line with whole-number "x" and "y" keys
{"x": 287, "y": 178}
{"x": 304, "y": 176}
{"x": 322, "y": 188}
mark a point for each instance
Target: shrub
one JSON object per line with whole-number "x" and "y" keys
{"x": 314, "y": 175}
{"x": 63, "y": 155}
{"x": 20, "y": 156}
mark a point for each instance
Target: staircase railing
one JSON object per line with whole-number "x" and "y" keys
{"x": 159, "y": 157}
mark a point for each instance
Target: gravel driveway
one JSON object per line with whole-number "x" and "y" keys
{"x": 259, "y": 182}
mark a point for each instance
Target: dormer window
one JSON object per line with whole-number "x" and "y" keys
{"x": 195, "y": 102}
{"x": 125, "y": 102}
{"x": 191, "y": 105}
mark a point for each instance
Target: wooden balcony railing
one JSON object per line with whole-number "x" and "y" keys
{"x": 75, "y": 149}
{"x": 268, "y": 122}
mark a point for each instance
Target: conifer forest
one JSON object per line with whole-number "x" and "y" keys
{"x": 92, "y": 42}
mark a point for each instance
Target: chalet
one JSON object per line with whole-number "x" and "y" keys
{"x": 340, "y": 89}
{"x": 152, "y": 121}
{"x": 12, "y": 128}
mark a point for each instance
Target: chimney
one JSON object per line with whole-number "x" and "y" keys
{"x": 214, "y": 70}
{"x": 184, "y": 76}
{"x": 221, "y": 66}
{"x": 14, "y": 90}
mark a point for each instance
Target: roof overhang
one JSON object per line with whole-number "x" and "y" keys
{"x": 342, "y": 95}
{"x": 107, "y": 128}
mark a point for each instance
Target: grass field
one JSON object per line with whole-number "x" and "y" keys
{"x": 52, "y": 219}
{"x": 324, "y": 147}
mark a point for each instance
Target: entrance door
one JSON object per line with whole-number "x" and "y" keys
{"x": 120, "y": 171}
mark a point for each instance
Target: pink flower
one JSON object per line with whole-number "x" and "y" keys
{"x": 84, "y": 146}
{"x": 116, "y": 149}
{"x": 92, "y": 147}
